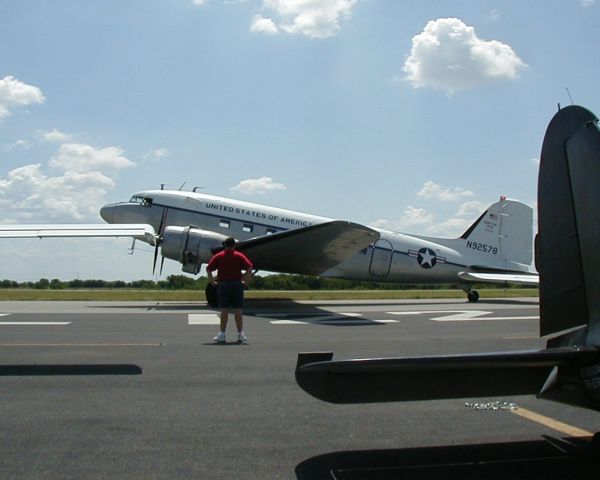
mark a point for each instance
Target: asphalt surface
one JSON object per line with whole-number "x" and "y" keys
{"x": 138, "y": 390}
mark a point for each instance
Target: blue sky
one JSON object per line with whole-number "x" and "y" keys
{"x": 412, "y": 116}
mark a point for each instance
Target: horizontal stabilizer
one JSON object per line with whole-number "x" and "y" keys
{"x": 432, "y": 378}
{"x": 79, "y": 230}
{"x": 311, "y": 250}
{"x": 526, "y": 279}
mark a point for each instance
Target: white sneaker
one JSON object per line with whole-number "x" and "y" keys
{"x": 220, "y": 338}
{"x": 242, "y": 338}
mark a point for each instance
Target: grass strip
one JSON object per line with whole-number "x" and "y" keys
{"x": 126, "y": 295}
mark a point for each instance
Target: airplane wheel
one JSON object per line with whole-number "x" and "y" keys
{"x": 212, "y": 297}
{"x": 473, "y": 296}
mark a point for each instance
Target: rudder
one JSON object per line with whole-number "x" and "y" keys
{"x": 503, "y": 234}
{"x": 569, "y": 223}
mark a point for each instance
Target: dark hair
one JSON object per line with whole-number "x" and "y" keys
{"x": 229, "y": 242}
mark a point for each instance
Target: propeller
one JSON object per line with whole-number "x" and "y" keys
{"x": 157, "y": 242}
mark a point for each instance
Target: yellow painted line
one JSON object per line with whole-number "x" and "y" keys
{"x": 551, "y": 423}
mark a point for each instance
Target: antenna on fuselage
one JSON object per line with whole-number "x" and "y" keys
{"x": 569, "y": 94}
{"x": 162, "y": 186}
{"x": 182, "y": 185}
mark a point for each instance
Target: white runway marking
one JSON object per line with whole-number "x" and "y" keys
{"x": 313, "y": 315}
{"x": 31, "y": 323}
{"x": 203, "y": 319}
{"x": 351, "y": 318}
{"x": 330, "y": 322}
{"x": 463, "y": 315}
{"x": 35, "y": 323}
{"x": 334, "y": 319}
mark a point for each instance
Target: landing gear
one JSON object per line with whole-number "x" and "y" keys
{"x": 472, "y": 296}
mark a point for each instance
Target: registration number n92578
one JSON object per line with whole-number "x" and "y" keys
{"x": 482, "y": 247}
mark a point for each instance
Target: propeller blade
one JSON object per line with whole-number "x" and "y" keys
{"x": 158, "y": 239}
{"x": 162, "y": 222}
{"x": 162, "y": 262}
{"x": 155, "y": 258}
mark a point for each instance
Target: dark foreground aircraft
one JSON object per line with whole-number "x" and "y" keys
{"x": 568, "y": 261}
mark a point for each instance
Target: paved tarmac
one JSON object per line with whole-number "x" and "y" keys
{"x": 106, "y": 390}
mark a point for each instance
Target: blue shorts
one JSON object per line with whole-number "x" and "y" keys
{"x": 231, "y": 294}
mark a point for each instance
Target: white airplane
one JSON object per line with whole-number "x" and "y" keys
{"x": 567, "y": 257}
{"x": 189, "y": 226}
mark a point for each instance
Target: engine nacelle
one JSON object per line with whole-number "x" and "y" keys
{"x": 190, "y": 246}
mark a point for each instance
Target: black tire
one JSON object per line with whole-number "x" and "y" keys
{"x": 473, "y": 296}
{"x": 212, "y": 297}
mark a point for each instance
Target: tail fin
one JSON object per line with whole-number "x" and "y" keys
{"x": 502, "y": 236}
{"x": 569, "y": 224}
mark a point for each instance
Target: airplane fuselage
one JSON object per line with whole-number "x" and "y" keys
{"x": 394, "y": 257}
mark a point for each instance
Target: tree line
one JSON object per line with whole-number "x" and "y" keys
{"x": 182, "y": 282}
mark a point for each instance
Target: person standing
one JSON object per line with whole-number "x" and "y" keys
{"x": 234, "y": 271}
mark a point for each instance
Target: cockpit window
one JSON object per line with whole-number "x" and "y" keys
{"x": 144, "y": 201}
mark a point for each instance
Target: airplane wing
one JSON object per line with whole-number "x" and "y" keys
{"x": 79, "y": 230}
{"x": 309, "y": 250}
{"x": 496, "y": 277}
{"x": 439, "y": 377}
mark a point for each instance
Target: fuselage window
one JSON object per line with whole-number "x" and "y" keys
{"x": 247, "y": 228}
{"x": 271, "y": 231}
{"x": 224, "y": 223}
{"x": 136, "y": 199}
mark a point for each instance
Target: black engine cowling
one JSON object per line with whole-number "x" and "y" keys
{"x": 190, "y": 246}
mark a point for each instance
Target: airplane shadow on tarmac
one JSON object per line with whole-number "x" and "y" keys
{"x": 69, "y": 369}
{"x": 302, "y": 307}
{"x": 546, "y": 459}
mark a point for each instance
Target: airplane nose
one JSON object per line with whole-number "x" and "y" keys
{"x": 107, "y": 212}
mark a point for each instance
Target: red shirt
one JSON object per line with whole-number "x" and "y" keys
{"x": 230, "y": 264}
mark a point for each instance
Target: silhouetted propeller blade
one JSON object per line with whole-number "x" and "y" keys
{"x": 159, "y": 238}
{"x": 155, "y": 258}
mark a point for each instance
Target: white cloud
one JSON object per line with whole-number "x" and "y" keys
{"x": 199, "y": 2}
{"x": 257, "y": 186}
{"x": 80, "y": 158}
{"x": 155, "y": 155}
{"x": 55, "y": 136}
{"x": 312, "y": 18}
{"x": 439, "y": 192}
{"x": 448, "y": 55}
{"x": 32, "y": 196}
{"x": 14, "y": 93}
{"x": 412, "y": 217}
{"x": 494, "y": 15}
{"x": 261, "y": 24}
{"x": 28, "y": 194}
{"x": 18, "y": 145}
{"x": 472, "y": 208}
{"x": 452, "y": 227}
{"x": 587, "y": 3}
